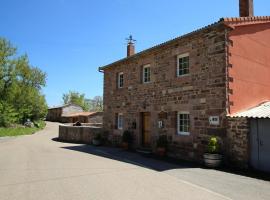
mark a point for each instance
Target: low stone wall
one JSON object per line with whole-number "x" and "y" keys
{"x": 78, "y": 134}
{"x": 238, "y": 141}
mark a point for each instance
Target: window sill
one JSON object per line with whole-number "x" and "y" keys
{"x": 183, "y": 133}
{"x": 184, "y": 75}
{"x": 146, "y": 82}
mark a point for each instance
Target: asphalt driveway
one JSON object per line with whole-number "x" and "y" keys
{"x": 36, "y": 167}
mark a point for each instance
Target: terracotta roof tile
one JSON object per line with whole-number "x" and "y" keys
{"x": 80, "y": 114}
{"x": 239, "y": 21}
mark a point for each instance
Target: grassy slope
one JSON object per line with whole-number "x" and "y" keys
{"x": 20, "y": 131}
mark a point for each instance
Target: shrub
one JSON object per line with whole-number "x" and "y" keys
{"x": 98, "y": 137}
{"x": 213, "y": 145}
{"x": 127, "y": 137}
{"x": 162, "y": 141}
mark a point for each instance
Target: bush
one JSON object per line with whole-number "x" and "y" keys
{"x": 98, "y": 137}
{"x": 162, "y": 141}
{"x": 213, "y": 145}
{"x": 127, "y": 137}
{"x": 39, "y": 124}
{"x": 8, "y": 116}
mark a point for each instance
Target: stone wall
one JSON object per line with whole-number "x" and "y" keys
{"x": 238, "y": 141}
{"x": 202, "y": 92}
{"x": 78, "y": 134}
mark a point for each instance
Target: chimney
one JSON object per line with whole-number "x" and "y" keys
{"x": 130, "y": 46}
{"x": 246, "y": 8}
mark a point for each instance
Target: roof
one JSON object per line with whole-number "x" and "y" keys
{"x": 85, "y": 114}
{"x": 229, "y": 22}
{"x": 260, "y": 111}
{"x": 63, "y": 106}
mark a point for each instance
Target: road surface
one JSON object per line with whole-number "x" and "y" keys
{"x": 37, "y": 168}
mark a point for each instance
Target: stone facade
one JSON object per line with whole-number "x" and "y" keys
{"x": 225, "y": 61}
{"x": 202, "y": 92}
{"x": 238, "y": 141}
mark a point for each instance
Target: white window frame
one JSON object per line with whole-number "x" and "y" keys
{"x": 119, "y": 80}
{"x": 178, "y": 123}
{"x": 120, "y": 125}
{"x": 143, "y": 75}
{"x": 178, "y": 67}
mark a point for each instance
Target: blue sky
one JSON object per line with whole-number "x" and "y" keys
{"x": 70, "y": 39}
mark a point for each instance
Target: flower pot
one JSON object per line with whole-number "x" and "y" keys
{"x": 96, "y": 142}
{"x": 212, "y": 160}
{"x": 125, "y": 145}
{"x": 161, "y": 151}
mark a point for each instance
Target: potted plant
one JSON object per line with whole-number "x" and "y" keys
{"x": 97, "y": 139}
{"x": 212, "y": 158}
{"x": 127, "y": 139}
{"x": 162, "y": 143}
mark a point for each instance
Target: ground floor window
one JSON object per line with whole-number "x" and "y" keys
{"x": 183, "y": 123}
{"x": 119, "y": 121}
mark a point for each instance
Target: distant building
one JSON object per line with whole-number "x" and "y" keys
{"x": 55, "y": 113}
{"x": 83, "y": 117}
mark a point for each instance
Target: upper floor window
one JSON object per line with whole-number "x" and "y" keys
{"x": 120, "y": 80}
{"x": 183, "y": 123}
{"x": 146, "y": 74}
{"x": 183, "y": 64}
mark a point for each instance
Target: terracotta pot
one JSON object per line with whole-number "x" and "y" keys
{"x": 125, "y": 145}
{"x": 212, "y": 160}
{"x": 161, "y": 151}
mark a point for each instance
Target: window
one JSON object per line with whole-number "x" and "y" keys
{"x": 120, "y": 121}
{"x": 146, "y": 74}
{"x": 183, "y": 123}
{"x": 183, "y": 64}
{"x": 120, "y": 80}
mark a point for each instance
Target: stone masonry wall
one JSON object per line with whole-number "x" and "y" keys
{"x": 78, "y": 134}
{"x": 238, "y": 141}
{"x": 202, "y": 92}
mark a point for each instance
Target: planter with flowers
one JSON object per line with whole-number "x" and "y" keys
{"x": 213, "y": 158}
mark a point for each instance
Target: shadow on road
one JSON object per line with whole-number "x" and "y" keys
{"x": 155, "y": 163}
{"x": 134, "y": 158}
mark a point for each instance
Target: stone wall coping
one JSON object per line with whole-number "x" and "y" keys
{"x": 65, "y": 125}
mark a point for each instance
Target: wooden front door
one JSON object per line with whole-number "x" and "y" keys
{"x": 146, "y": 129}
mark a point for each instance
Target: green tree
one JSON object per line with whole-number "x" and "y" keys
{"x": 20, "y": 87}
{"x": 97, "y": 103}
{"x": 76, "y": 98}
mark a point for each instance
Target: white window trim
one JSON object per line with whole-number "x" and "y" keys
{"x": 118, "y": 124}
{"x": 178, "y": 127}
{"x": 143, "y": 75}
{"x": 118, "y": 81}
{"x": 178, "y": 57}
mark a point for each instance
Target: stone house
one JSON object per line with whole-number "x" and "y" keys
{"x": 55, "y": 113}
{"x": 187, "y": 88}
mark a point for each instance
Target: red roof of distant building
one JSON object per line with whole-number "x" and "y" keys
{"x": 80, "y": 114}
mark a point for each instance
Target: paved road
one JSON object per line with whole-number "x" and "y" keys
{"x": 35, "y": 167}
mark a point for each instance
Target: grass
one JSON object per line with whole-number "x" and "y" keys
{"x": 21, "y": 130}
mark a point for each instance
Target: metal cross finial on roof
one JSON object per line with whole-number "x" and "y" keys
{"x": 130, "y": 40}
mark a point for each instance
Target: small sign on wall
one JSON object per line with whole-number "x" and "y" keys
{"x": 214, "y": 120}
{"x": 160, "y": 124}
